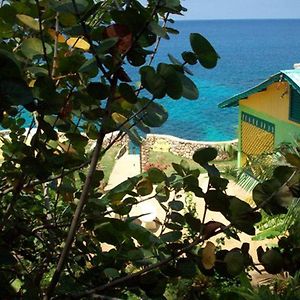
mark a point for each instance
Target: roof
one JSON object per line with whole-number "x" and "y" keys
{"x": 290, "y": 76}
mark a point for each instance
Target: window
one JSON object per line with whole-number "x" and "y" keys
{"x": 295, "y": 106}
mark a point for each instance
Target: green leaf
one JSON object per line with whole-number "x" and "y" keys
{"x": 106, "y": 45}
{"x": 44, "y": 89}
{"x": 173, "y": 4}
{"x": 37, "y": 71}
{"x": 194, "y": 223}
{"x": 205, "y": 155}
{"x": 153, "y": 82}
{"x": 242, "y": 215}
{"x": 158, "y": 30}
{"x": 107, "y": 232}
{"x": 134, "y": 136}
{"x": 89, "y": 66}
{"x": 173, "y": 80}
{"x": 186, "y": 267}
{"x": 267, "y": 196}
{"x": 156, "y": 175}
{"x": 153, "y": 284}
{"x": 179, "y": 169}
{"x": 67, "y": 19}
{"x": 283, "y": 174}
{"x": 71, "y": 64}
{"x": 10, "y": 67}
{"x": 273, "y": 261}
{"x": 144, "y": 187}
{"x": 155, "y": 115}
{"x": 234, "y": 260}
{"x": 189, "y": 57}
{"x": 135, "y": 254}
{"x": 128, "y": 93}
{"x": 143, "y": 236}
{"x": 6, "y": 30}
{"x": 15, "y": 91}
{"x": 176, "y": 205}
{"x": 111, "y": 273}
{"x": 66, "y": 6}
{"x": 217, "y": 201}
{"x": 191, "y": 183}
{"x": 171, "y": 236}
{"x": 177, "y": 218}
{"x": 189, "y": 89}
{"x": 33, "y": 47}
{"x": 136, "y": 57}
{"x": 141, "y": 125}
{"x": 8, "y": 14}
{"x": 179, "y": 65}
{"x": 122, "y": 189}
{"x": 6, "y": 258}
{"x": 97, "y": 178}
{"x": 29, "y": 21}
{"x": 162, "y": 192}
{"x": 174, "y": 60}
{"x": 77, "y": 140}
{"x": 270, "y": 233}
{"x": 48, "y": 129}
{"x": 218, "y": 183}
{"x": 185, "y": 165}
{"x": 98, "y": 90}
{"x": 172, "y": 30}
{"x": 206, "y": 54}
{"x": 173, "y": 226}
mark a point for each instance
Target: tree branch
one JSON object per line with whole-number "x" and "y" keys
{"x": 42, "y": 35}
{"x": 76, "y": 217}
{"x": 158, "y": 41}
{"x": 54, "y": 65}
{"x": 86, "y": 188}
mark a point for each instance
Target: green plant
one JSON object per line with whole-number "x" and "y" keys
{"x": 230, "y": 172}
{"x": 63, "y": 82}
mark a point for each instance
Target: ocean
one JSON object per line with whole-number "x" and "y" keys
{"x": 250, "y": 51}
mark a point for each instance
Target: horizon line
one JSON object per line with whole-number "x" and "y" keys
{"x": 179, "y": 18}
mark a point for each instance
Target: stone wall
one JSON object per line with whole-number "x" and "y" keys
{"x": 184, "y": 148}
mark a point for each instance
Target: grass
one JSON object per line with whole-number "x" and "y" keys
{"x": 167, "y": 158}
{"x": 108, "y": 161}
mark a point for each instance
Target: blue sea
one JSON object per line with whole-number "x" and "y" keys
{"x": 250, "y": 51}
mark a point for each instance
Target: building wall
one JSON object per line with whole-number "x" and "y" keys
{"x": 274, "y": 101}
{"x": 271, "y": 105}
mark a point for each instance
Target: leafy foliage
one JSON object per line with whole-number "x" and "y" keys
{"x": 64, "y": 86}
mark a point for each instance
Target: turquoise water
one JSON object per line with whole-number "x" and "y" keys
{"x": 250, "y": 50}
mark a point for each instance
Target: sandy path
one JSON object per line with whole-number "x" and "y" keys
{"x": 129, "y": 165}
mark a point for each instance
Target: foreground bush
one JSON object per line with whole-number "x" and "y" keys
{"x": 63, "y": 77}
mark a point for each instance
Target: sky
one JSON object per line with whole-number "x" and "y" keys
{"x": 241, "y": 9}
